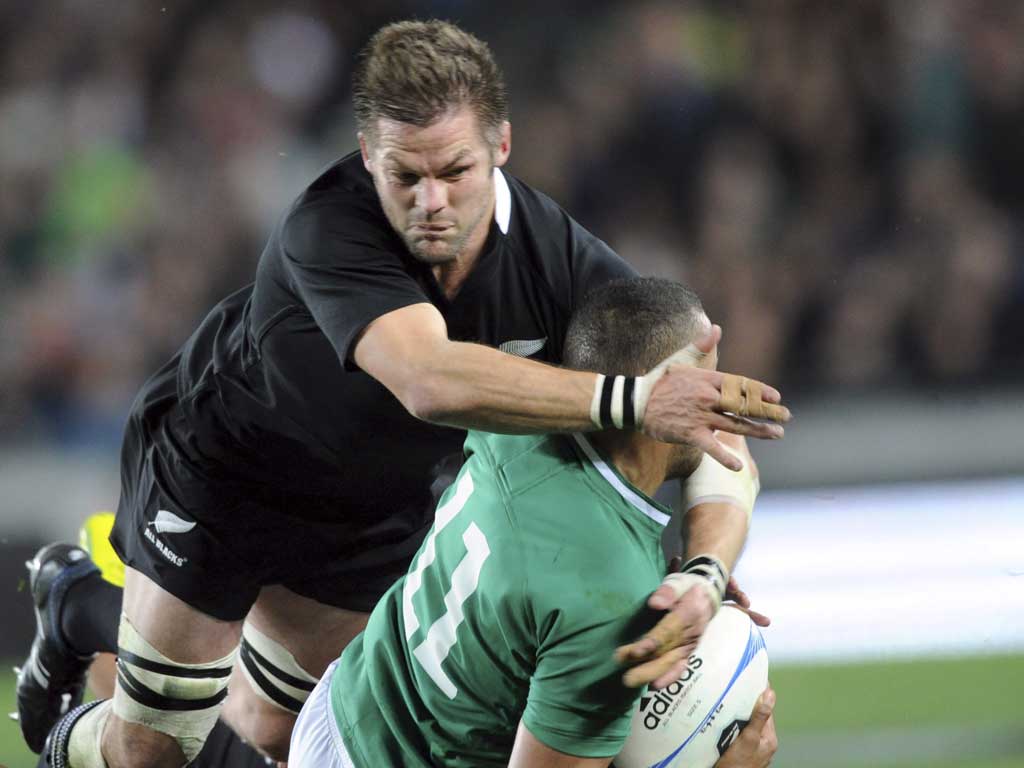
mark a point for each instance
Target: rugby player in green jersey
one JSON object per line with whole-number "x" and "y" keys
{"x": 497, "y": 648}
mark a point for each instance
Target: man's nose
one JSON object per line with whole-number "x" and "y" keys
{"x": 431, "y": 196}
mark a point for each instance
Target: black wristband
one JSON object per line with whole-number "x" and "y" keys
{"x": 711, "y": 568}
{"x": 614, "y": 403}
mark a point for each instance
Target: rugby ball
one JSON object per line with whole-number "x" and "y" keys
{"x": 691, "y": 722}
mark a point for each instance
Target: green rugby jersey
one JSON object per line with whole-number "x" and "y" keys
{"x": 538, "y": 566}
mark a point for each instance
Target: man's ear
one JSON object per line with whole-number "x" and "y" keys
{"x": 364, "y": 150}
{"x": 504, "y": 148}
{"x": 708, "y": 344}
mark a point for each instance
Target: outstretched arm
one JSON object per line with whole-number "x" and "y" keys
{"x": 476, "y": 387}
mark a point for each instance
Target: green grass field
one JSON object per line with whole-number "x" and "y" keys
{"x": 959, "y": 713}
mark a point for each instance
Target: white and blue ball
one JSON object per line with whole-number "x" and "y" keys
{"x": 690, "y": 723}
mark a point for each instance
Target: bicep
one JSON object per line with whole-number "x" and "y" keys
{"x": 577, "y": 702}
{"x": 394, "y": 347}
{"x": 530, "y": 752}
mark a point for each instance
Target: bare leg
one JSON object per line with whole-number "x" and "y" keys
{"x": 289, "y": 619}
{"x": 181, "y": 633}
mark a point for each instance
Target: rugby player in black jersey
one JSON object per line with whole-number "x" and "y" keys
{"x": 276, "y": 472}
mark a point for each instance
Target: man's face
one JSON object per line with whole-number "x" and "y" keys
{"x": 436, "y": 182}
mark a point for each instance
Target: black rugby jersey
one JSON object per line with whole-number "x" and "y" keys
{"x": 267, "y": 384}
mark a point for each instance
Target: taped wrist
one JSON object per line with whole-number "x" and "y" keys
{"x": 621, "y": 401}
{"x": 688, "y": 356}
{"x": 711, "y": 482}
{"x": 614, "y": 403}
{"x": 704, "y": 571}
{"x": 180, "y": 700}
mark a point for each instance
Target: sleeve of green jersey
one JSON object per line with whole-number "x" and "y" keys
{"x": 577, "y": 703}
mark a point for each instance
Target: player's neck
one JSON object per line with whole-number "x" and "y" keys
{"x": 639, "y": 459}
{"x": 452, "y": 275}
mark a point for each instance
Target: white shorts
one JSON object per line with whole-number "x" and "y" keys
{"x": 316, "y": 741}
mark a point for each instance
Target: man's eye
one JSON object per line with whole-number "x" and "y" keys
{"x": 455, "y": 173}
{"x": 406, "y": 179}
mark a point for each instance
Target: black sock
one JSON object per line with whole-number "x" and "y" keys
{"x": 225, "y": 749}
{"x": 90, "y": 615}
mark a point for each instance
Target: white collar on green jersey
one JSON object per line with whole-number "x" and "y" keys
{"x": 502, "y": 201}
{"x": 616, "y": 482}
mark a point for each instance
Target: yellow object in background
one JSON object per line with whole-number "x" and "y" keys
{"x": 94, "y": 538}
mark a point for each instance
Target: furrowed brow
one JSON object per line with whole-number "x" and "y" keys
{"x": 460, "y": 159}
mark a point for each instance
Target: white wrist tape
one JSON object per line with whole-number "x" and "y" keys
{"x": 704, "y": 571}
{"x": 712, "y": 482}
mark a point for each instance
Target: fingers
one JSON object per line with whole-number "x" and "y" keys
{"x": 741, "y": 600}
{"x": 674, "y": 564}
{"x": 706, "y": 441}
{"x": 736, "y": 425}
{"x": 641, "y": 649}
{"x": 762, "y": 711}
{"x": 673, "y": 674}
{"x": 746, "y": 397}
{"x": 663, "y": 598}
{"x": 737, "y": 595}
{"x": 758, "y": 618}
{"x": 657, "y": 668}
{"x": 770, "y": 394}
{"x": 670, "y": 633}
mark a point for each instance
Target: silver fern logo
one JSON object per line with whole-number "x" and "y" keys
{"x": 523, "y": 347}
{"x": 168, "y": 522}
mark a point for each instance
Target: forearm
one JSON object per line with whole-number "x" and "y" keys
{"x": 476, "y": 387}
{"x": 715, "y": 528}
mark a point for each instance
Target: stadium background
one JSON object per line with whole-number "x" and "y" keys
{"x": 842, "y": 181}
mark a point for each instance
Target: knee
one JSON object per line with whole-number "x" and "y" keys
{"x": 260, "y": 724}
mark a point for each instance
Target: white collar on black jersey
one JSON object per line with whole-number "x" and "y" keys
{"x": 502, "y": 201}
{"x": 609, "y": 474}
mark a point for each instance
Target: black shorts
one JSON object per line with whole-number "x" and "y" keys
{"x": 213, "y": 538}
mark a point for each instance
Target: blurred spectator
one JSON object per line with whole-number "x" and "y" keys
{"x": 840, "y": 180}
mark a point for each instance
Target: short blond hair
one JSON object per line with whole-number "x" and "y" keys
{"x": 416, "y": 71}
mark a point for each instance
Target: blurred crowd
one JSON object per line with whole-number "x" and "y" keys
{"x": 841, "y": 180}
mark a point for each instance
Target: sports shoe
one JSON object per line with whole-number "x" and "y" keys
{"x": 52, "y": 679}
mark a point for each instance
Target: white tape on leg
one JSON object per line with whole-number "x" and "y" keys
{"x": 274, "y": 673}
{"x": 87, "y": 736}
{"x": 145, "y": 673}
